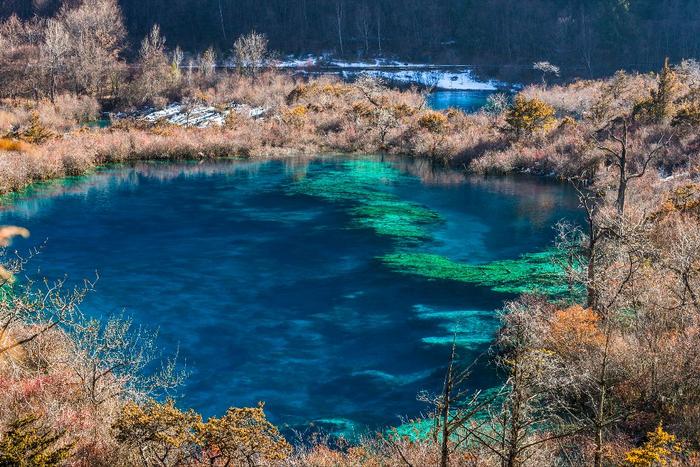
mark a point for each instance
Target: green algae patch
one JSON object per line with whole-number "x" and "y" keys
{"x": 395, "y": 218}
{"x": 364, "y": 185}
{"x": 529, "y": 273}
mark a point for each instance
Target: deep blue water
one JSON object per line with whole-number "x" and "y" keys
{"x": 273, "y": 291}
{"x": 468, "y": 101}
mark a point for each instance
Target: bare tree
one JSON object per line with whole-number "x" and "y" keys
{"x": 250, "y": 52}
{"x": 20, "y": 57}
{"x": 379, "y": 27}
{"x": 455, "y": 407}
{"x": 151, "y": 81}
{"x": 96, "y": 30}
{"x": 207, "y": 63}
{"x": 514, "y": 431}
{"x": 616, "y": 144}
{"x": 221, "y": 18}
{"x": 55, "y": 51}
{"x": 43, "y": 307}
{"x": 580, "y": 245}
{"x": 363, "y": 25}
{"x": 113, "y": 358}
{"x": 545, "y": 68}
{"x": 339, "y": 17}
{"x": 176, "y": 64}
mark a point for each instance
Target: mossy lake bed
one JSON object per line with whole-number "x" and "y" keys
{"x": 330, "y": 288}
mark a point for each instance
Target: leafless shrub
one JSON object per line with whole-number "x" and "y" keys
{"x": 250, "y": 52}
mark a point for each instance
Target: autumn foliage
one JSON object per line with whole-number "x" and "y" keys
{"x": 528, "y": 116}
{"x": 573, "y": 329}
{"x": 661, "y": 448}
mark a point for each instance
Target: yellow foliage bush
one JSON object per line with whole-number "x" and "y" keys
{"x": 363, "y": 109}
{"x": 660, "y": 449}
{"x": 403, "y": 110}
{"x": 683, "y": 199}
{"x": 664, "y": 96}
{"x": 164, "y": 433}
{"x": 296, "y": 116}
{"x": 434, "y": 122}
{"x": 316, "y": 89}
{"x": 660, "y": 105}
{"x": 37, "y": 133}
{"x": 573, "y": 328}
{"x": 687, "y": 116}
{"x": 27, "y": 444}
{"x": 335, "y": 89}
{"x": 528, "y": 116}
{"x": 241, "y": 436}
{"x": 233, "y": 119}
{"x": 158, "y": 431}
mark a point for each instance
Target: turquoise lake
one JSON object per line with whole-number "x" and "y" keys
{"x": 329, "y": 288}
{"x": 467, "y": 101}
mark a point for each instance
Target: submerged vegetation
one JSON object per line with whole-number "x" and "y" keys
{"x": 599, "y": 358}
{"x": 359, "y": 184}
{"x": 537, "y": 272}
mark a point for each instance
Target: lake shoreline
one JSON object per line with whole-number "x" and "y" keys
{"x": 318, "y": 116}
{"x": 384, "y": 204}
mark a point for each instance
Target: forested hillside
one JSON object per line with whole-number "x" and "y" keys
{"x": 585, "y": 37}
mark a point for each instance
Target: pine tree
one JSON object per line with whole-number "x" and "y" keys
{"x": 663, "y": 97}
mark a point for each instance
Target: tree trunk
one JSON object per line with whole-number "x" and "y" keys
{"x": 598, "y": 457}
{"x": 379, "y": 29}
{"x": 447, "y": 391}
{"x": 621, "y": 189}
{"x": 339, "y": 20}
{"x": 599, "y": 424}
{"x": 221, "y": 17}
{"x": 591, "y": 286}
{"x": 444, "y": 449}
{"x": 516, "y": 407}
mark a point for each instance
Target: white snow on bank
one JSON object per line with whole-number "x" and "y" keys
{"x": 439, "y": 79}
{"x": 384, "y": 63}
{"x": 303, "y": 62}
{"x": 446, "y": 77}
{"x": 328, "y": 61}
{"x": 200, "y": 116}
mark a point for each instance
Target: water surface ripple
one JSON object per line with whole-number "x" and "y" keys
{"x": 284, "y": 281}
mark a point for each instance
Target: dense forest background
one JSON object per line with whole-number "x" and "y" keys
{"x": 584, "y": 37}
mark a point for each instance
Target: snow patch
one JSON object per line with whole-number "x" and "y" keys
{"x": 446, "y": 77}
{"x": 439, "y": 79}
{"x": 200, "y": 116}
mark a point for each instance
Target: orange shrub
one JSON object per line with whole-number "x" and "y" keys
{"x": 573, "y": 328}
{"x": 13, "y": 145}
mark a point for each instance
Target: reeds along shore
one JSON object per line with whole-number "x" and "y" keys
{"x": 554, "y": 131}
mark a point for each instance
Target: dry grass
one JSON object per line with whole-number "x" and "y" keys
{"x": 63, "y": 115}
{"x": 327, "y": 115}
{"x": 268, "y": 90}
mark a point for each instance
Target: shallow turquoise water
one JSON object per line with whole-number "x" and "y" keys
{"x": 468, "y": 101}
{"x": 278, "y": 281}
